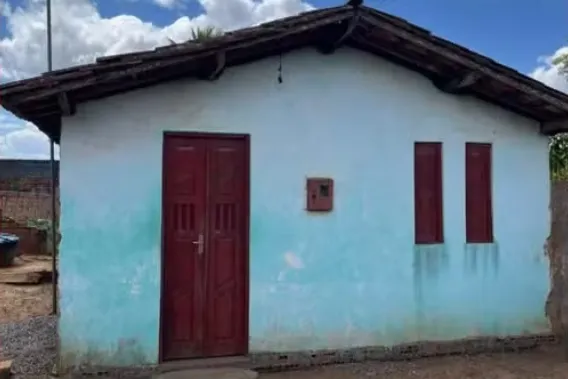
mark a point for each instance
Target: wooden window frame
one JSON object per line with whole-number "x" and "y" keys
{"x": 428, "y": 187}
{"x": 479, "y": 192}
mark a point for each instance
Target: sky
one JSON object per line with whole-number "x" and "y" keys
{"x": 523, "y": 34}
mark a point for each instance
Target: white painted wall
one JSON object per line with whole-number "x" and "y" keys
{"x": 348, "y": 279}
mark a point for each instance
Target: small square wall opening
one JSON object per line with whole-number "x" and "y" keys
{"x": 319, "y": 194}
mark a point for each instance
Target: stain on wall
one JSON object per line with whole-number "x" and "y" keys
{"x": 556, "y": 250}
{"x": 349, "y": 278}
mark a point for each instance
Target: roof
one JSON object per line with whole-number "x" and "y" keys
{"x": 451, "y": 68}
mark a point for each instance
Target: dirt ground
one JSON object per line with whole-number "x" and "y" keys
{"x": 544, "y": 363}
{"x": 21, "y": 301}
{"x": 18, "y": 302}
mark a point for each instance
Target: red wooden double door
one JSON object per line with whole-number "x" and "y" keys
{"x": 205, "y": 258}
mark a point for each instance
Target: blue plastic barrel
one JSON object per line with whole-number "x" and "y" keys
{"x": 8, "y": 248}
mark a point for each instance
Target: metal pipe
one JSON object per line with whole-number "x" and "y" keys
{"x": 54, "y": 223}
{"x": 49, "y": 42}
{"x": 54, "y": 227}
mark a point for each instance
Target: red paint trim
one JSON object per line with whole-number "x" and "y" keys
{"x": 162, "y": 255}
{"x": 206, "y": 135}
{"x": 245, "y": 342}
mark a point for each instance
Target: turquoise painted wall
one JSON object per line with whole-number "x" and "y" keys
{"x": 346, "y": 279}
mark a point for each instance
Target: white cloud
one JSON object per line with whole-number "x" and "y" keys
{"x": 80, "y": 34}
{"x": 166, "y": 3}
{"x": 549, "y": 74}
{"x": 25, "y": 142}
{"x": 8, "y": 124}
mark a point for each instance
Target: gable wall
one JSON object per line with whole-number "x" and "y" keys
{"x": 350, "y": 278}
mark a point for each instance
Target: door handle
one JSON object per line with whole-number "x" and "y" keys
{"x": 199, "y": 244}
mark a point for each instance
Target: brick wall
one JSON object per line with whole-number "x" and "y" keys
{"x": 24, "y": 206}
{"x": 16, "y": 208}
{"x": 40, "y": 185}
{"x": 31, "y": 240}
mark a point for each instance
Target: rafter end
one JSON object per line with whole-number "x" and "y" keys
{"x": 66, "y": 105}
{"x": 457, "y": 84}
{"x": 551, "y": 128}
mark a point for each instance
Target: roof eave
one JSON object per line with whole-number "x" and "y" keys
{"x": 452, "y": 69}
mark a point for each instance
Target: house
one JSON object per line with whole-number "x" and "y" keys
{"x": 336, "y": 180}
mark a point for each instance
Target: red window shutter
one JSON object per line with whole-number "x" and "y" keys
{"x": 478, "y": 202}
{"x": 428, "y": 208}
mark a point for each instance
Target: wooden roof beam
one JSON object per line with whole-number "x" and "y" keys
{"x": 551, "y": 128}
{"x": 458, "y": 55}
{"x": 50, "y": 125}
{"x": 458, "y": 84}
{"x": 66, "y": 105}
{"x": 213, "y": 66}
{"x": 221, "y": 64}
{"x": 330, "y": 48}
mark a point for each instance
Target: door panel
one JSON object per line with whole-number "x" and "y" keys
{"x": 226, "y": 304}
{"x": 184, "y": 218}
{"x": 205, "y": 306}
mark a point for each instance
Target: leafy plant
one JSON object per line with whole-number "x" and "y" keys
{"x": 205, "y": 33}
{"x": 561, "y": 62}
{"x": 559, "y": 143}
{"x": 559, "y": 157}
{"x": 43, "y": 227}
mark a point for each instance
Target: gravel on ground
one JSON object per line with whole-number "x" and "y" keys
{"x": 543, "y": 363}
{"x": 31, "y": 344}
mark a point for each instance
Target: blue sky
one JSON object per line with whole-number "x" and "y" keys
{"x": 522, "y": 34}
